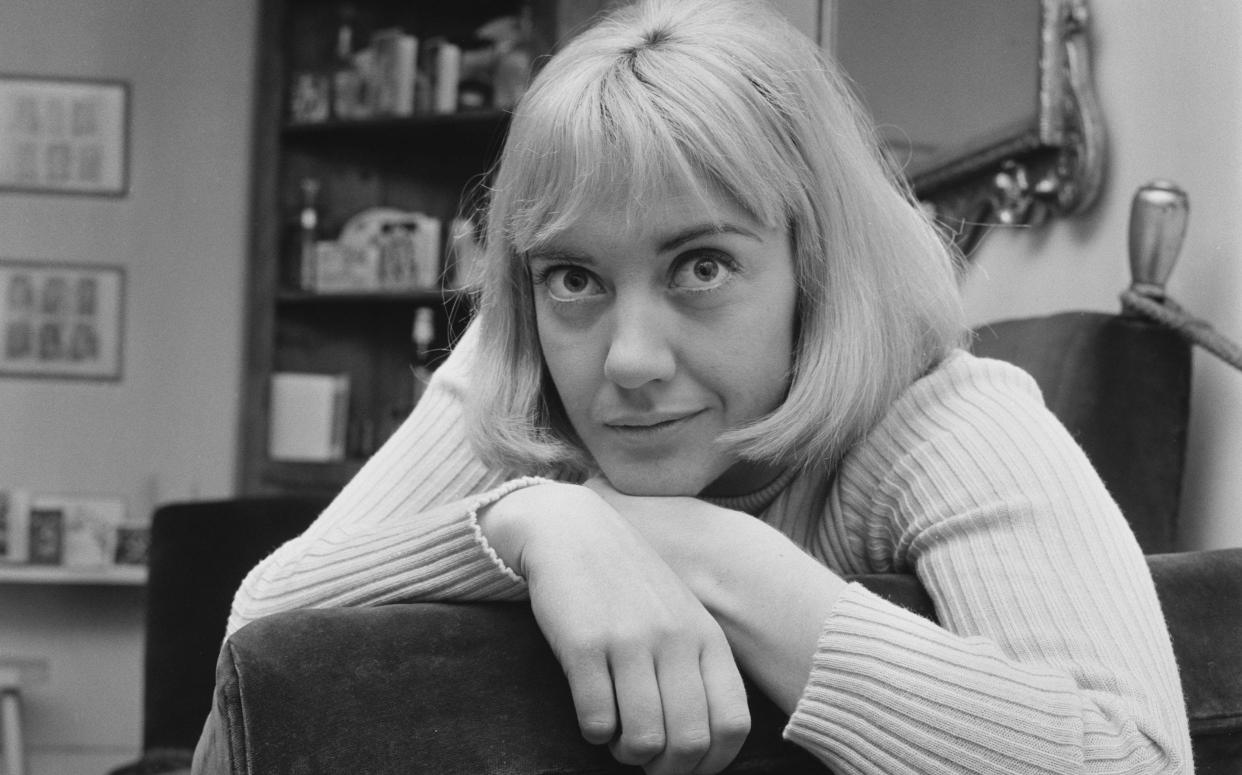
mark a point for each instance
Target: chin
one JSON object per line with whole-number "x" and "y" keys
{"x": 658, "y": 481}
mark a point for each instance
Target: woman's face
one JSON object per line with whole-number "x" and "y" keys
{"x": 662, "y": 332}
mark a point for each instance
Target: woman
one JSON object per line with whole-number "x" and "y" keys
{"x": 715, "y": 370}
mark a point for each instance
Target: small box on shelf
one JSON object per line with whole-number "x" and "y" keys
{"x": 133, "y": 545}
{"x": 380, "y": 250}
{"x": 309, "y": 416}
{"x": 310, "y": 97}
{"x": 47, "y": 536}
{"x": 14, "y": 525}
{"x": 340, "y": 268}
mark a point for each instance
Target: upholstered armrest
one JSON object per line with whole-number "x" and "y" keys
{"x": 1201, "y": 593}
{"x": 473, "y": 688}
{"x": 465, "y": 689}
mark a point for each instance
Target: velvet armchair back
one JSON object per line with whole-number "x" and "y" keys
{"x": 473, "y": 689}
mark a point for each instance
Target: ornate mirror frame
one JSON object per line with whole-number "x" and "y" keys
{"x": 1055, "y": 171}
{"x": 1052, "y": 166}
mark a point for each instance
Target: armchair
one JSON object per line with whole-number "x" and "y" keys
{"x": 200, "y": 552}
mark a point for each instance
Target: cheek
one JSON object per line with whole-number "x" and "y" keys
{"x": 764, "y": 370}
{"x": 570, "y": 361}
{"x": 759, "y": 362}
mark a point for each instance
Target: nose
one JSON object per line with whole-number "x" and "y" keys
{"x": 639, "y": 350}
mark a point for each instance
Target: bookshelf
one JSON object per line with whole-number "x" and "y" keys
{"x": 425, "y": 162}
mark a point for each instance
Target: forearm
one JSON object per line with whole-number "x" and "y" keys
{"x": 769, "y": 596}
{"x": 863, "y": 677}
{"x": 772, "y": 600}
{"x": 436, "y": 554}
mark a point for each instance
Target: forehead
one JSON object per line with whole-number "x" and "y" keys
{"x": 654, "y": 214}
{"x": 678, "y": 212}
{"x": 563, "y": 179}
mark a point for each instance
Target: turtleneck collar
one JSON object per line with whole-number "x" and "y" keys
{"x": 755, "y": 502}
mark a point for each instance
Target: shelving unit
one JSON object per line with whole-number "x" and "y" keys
{"x": 418, "y": 163}
{"x": 427, "y": 163}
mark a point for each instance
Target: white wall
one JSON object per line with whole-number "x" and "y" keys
{"x": 180, "y": 233}
{"x": 167, "y": 430}
{"x": 1169, "y": 77}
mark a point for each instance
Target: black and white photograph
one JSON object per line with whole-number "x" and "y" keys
{"x": 61, "y": 320}
{"x": 63, "y": 135}
{"x": 620, "y": 387}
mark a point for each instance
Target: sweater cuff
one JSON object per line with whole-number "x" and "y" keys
{"x": 890, "y": 690}
{"x": 488, "y": 498}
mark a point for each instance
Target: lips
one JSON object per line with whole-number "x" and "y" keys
{"x": 649, "y": 431}
{"x": 650, "y": 421}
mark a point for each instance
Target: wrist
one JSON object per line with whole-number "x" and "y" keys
{"x": 704, "y": 543}
{"x": 512, "y": 523}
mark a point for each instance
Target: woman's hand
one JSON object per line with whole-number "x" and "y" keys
{"x": 770, "y": 597}
{"x": 650, "y": 670}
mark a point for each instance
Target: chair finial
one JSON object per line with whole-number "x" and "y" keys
{"x": 1158, "y": 218}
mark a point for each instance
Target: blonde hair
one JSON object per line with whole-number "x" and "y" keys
{"x": 723, "y": 97}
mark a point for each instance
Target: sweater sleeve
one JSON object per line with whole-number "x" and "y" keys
{"x": 404, "y": 528}
{"x": 1052, "y": 654}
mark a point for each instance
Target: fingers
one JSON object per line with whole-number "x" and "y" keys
{"x": 687, "y": 728}
{"x": 639, "y": 707}
{"x": 683, "y": 711}
{"x": 590, "y": 684}
{"x": 728, "y": 710}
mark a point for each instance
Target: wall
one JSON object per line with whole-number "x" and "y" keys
{"x": 1169, "y": 77}
{"x": 167, "y": 430}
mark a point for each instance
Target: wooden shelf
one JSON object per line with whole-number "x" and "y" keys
{"x": 129, "y": 576}
{"x": 311, "y": 298}
{"x": 451, "y": 130}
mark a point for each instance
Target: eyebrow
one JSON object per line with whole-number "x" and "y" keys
{"x": 694, "y": 232}
{"x": 554, "y": 255}
{"x": 689, "y": 234}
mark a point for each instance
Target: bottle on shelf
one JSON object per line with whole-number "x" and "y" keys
{"x": 423, "y": 333}
{"x": 347, "y": 84}
{"x": 308, "y": 233}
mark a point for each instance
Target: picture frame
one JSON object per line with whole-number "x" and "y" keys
{"x": 61, "y": 320}
{"x": 64, "y": 135}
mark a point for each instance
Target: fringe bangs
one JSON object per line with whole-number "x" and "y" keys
{"x": 617, "y": 141}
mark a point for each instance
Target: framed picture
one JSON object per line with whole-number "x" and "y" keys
{"x": 64, "y": 136}
{"x": 61, "y": 320}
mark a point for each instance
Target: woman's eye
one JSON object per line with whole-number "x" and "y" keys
{"x": 702, "y": 273}
{"x": 570, "y": 283}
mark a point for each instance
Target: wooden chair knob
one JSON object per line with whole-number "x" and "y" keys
{"x": 1158, "y": 216}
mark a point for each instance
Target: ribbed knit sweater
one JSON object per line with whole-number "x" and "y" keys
{"x": 1051, "y": 655}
